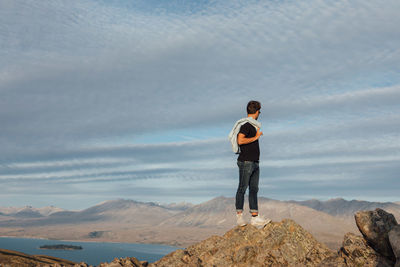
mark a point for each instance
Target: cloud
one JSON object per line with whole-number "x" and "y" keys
{"x": 110, "y": 92}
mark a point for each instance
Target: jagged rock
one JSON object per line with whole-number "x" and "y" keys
{"x": 356, "y": 252}
{"x": 333, "y": 261}
{"x": 279, "y": 244}
{"x": 375, "y": 226}
{"x": 15, "y": 258}
{"x": 125, "y": 262}
{"x": 394, "y": 239}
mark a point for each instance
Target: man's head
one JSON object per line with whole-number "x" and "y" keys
{"x": 253, "y": 108}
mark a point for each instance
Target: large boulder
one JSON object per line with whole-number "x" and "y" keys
{"x": 375, "y": 226}
{"x": 278, "y": 244}
{"x": 394, "y": 239}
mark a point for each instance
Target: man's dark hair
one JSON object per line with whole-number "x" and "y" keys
{"x": 253, "y": 106}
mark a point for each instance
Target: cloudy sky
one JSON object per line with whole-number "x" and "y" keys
{"x": 135, "y": 99}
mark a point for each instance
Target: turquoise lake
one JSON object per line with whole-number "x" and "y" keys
{"x": 92, "y": 253}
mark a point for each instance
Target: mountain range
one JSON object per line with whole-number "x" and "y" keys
{"x": 180, "y": 224}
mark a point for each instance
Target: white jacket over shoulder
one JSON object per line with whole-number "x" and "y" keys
{"x": 236, "y": 128}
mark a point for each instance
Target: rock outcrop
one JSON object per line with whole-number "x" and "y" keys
{"x": 356, "y": 252}
{"x": 375, "y": 226}
{"x": 278, "y": 244}
{"x": 126, "y": 262}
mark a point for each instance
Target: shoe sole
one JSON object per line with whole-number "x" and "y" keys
{"x": 261, "y": 225}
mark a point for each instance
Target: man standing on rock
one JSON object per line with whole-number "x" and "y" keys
{"x": 244, "y": 138}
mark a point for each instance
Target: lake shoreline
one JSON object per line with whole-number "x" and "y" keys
{"x": 89, "y": 241}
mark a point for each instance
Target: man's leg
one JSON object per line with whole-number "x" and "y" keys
{"x": 253, "y": 201}
{"x": 253, "y": 189}
{"x": 244, "y": 177}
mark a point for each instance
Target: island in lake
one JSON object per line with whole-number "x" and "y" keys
{"x": 61, "y": 246}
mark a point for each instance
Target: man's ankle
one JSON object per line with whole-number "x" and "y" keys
{"x": 254, "y": 214}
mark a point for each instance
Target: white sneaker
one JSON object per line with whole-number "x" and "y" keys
{"x": 239, "y": 219}
{"x": 259, "y": 221}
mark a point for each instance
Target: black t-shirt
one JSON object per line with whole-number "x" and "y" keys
{"x": 250, "y": 151}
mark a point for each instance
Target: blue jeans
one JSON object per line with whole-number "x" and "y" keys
{"x": 249, "y": 174}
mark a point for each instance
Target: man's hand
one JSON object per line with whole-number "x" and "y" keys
{"x": 259, "y": 133}
{"x": 242, "y": 140}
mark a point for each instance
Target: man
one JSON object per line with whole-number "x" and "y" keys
{"x": 248, "y": 163}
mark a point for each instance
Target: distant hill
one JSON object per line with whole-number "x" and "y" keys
{"x": 122, "y": 211}
{"x": 28, "y": 211}
{"x": 178, "y": 206}
{"x": 341, "y": 207}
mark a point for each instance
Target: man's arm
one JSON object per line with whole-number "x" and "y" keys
{"x": 242, "y": 140}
